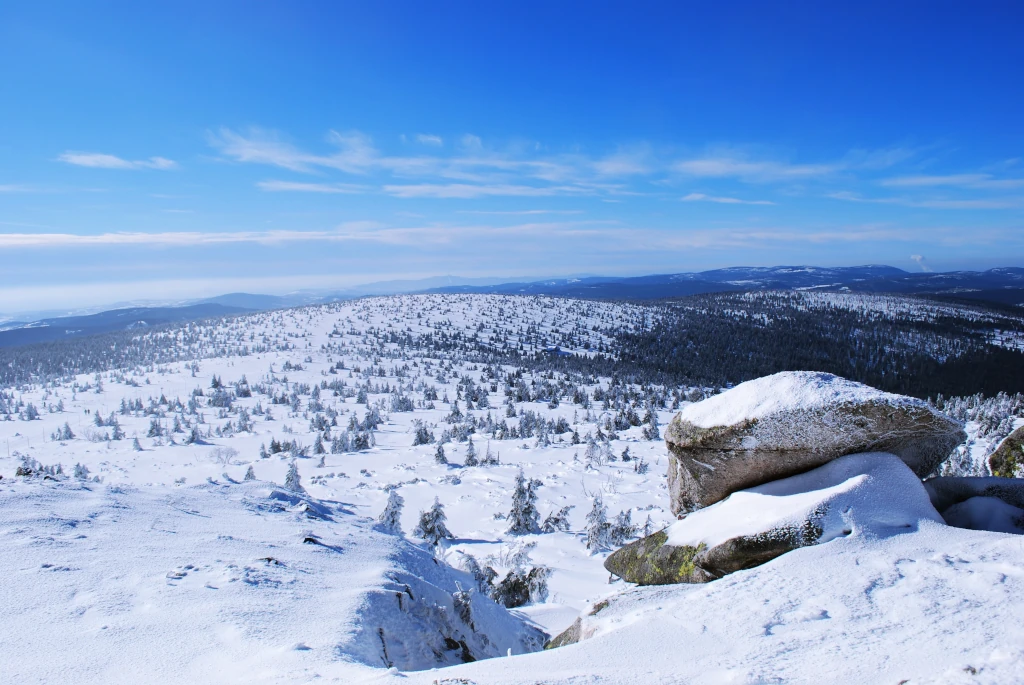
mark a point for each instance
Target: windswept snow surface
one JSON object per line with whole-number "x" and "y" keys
{"x": 218, "y": 583}
{"x": 938, "y": 605}
{"x": 174, "y": 569}
{"x": 784, "y": 391}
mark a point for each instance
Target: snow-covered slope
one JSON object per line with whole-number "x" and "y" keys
{"x": 222, "y": 583}
{"x": 939, "y": 605}
{"x": 172, "y": 568}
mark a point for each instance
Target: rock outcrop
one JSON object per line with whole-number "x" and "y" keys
{"x": 789, "y": 423}
{"x": 1008, "y": 459}
{"x": 852, "y": 494}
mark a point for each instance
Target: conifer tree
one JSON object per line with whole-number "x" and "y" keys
{"x": 524, "y": 517}
{"x": 391, "y": 518}
{"x": 432, "y": 526}
{"x": 598, "y": 529}
{"x": 471, "y": 459}
{"x": 292, "y": 481}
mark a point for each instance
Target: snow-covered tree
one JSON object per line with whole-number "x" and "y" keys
{"x": 292, "y": 481}
{"x": 622, "y": 529}
{"x": 432, "y": 526}
{"x": 557, "y": 520}
{"x": 524, "y": 517}
{"x": 250, "y": 474}
{"x": 391, "y": 518}
{"x": 439, "y": 456}
{"x": 471, "y": 459}
{"x": 598, "y": 529}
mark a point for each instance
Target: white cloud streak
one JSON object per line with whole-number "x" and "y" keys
{"x": 701, "y": 197}
{"x": 974, "y": 181}
{"x": 428, "y": 139}
{"x": 328, "y": 188}
{"x": 98, "y": 160}
{"x": 940, "y": 203}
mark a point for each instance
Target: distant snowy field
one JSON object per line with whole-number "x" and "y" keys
{"x": 164, "y": 564}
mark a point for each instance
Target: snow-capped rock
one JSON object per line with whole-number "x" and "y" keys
{"x": 861, "y": 494}
{"x": 789, "y": 422}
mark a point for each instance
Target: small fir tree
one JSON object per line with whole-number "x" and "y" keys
{"x": 391, "y": 518}
{"x": 432, "y": 526}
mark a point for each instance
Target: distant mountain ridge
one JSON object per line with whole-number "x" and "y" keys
{"x": 1003, "y": 286}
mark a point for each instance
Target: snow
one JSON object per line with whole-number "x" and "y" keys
{"x": 934, "y": 605}
{"x": 860, "y": 493}
{"x": 784, "y": 391}
{"x": 172, "y": 569}
{"x": 226, "y": 583}
{"x": 986, "y": 513}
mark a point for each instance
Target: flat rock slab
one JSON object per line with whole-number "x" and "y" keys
{"x": 854, "y": 494}
{"x": 791, "y": 422}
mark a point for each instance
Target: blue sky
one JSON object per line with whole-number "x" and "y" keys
{"x": 174, "y": 150}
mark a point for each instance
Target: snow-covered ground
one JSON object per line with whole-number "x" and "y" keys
{"x": 160, "y": 562}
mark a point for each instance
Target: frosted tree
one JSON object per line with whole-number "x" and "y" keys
{"x": 250, "y": 474}
{"x": 391, "y": 518}
{"x": 623, "y": 529}
{"x": 292, "y": 481}
{"x": 650, "y": 431}
{"x": 471, "y": 459}
{"x": 598, "y": 529}
{"x": 136, "y": 445}
{"x": 432, "y": 526}
{"x": 81, "y": 472}
{"x": 490, "y": 458}
{"x": 439, "y": 456}
{"x": 524, "y": 517}
{"x": 592, "y": 455}
{"x": 557, "y": 520}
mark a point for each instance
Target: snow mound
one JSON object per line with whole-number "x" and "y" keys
{"x": 224, "y": 583}
{"x": 857, "y": 494}
{"x": 785, "y": 391}
{"x": 937, "y": 604}
{"x": 986, "y": 513}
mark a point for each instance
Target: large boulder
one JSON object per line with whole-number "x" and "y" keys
{"x": 1008, "y": 459}
{"x": 854, "y": 494}
{"x": 791, "y": 422}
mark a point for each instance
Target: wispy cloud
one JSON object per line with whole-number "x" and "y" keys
{"x": 365, "y": 231}
{"x": 523, "y": 212}
{"x": 933, "y": 203}
{"x": 16, "y": 188}
{"x": 701, "y": 197}
{"x": 739, "y": 164}
{"x": 467, "y": 191}
{"x": 751, "y": 170}
{"x": 99, "y": 160}
{"x": 428, "y": 139}
{"x": 974, "y": 181}
{"x": 329, "y": 188}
